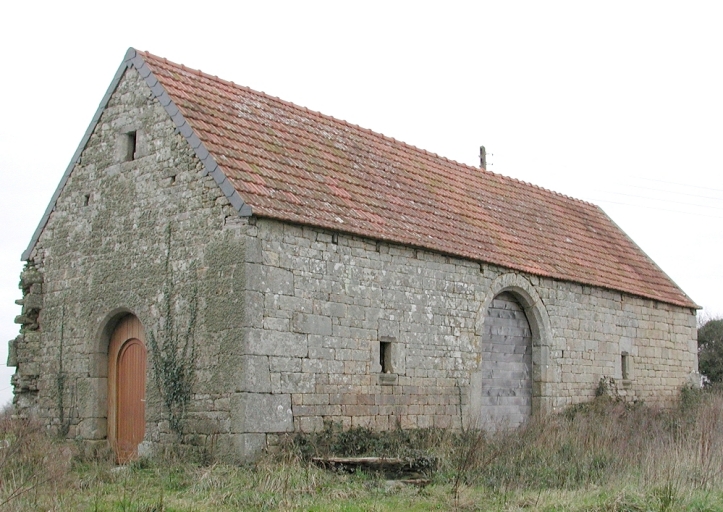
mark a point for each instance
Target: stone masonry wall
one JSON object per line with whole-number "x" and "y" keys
{"x": 141, "y": 236}
{"x": 320, "y": 303}
{"x": 291, "y": 326}
{"x": 26, "y": 383}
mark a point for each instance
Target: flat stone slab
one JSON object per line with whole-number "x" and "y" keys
{"x": 410, "y": 468}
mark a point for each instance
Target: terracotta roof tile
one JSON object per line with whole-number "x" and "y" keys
{"x": 290, "y": 163}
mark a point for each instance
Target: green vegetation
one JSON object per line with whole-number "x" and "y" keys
{"x": 173, "y": 348}
{"x": 601, "y": 456}
{"x": 710, "y": 350}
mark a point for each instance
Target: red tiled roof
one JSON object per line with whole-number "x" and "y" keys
{"x": 289, "y": 163}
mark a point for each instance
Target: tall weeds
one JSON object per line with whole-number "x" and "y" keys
{"x": 600, "y": 443}
{"x": 31, "y": 465}
{"x": 605, "y": 455}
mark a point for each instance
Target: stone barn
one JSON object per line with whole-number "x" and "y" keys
{"x": 218, "y": 267}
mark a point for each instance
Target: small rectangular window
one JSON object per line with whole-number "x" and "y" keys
{"x": 130, "y": 146}
{"x": 625, "y": 365}
{"x": 385, "y": 356}
{"x": 388, "y": 347}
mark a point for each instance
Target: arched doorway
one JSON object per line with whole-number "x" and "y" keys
{"x": 127, "y": 388}
{"x": 506, "y": 364}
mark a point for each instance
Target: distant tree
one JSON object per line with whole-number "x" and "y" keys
{"x": 710, "y": 349}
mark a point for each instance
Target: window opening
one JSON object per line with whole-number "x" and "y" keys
{"x": 385, "y": 356}
{"x": 131, "y": 140}
{"x": 625, "y": 365}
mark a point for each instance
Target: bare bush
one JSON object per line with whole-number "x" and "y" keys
{"x": 31, "y": 465}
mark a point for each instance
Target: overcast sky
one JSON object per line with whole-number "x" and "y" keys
{"x": 617, "y": 103}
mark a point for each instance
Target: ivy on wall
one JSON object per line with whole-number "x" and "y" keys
{"x": 172, "y": 347}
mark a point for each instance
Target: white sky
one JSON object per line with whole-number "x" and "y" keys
{"x": 619, "y": 103}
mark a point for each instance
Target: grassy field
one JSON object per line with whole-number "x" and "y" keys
{"x": 603, "y": 456}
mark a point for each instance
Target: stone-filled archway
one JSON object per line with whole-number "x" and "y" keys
{"x": 506, "y": 364}
{"x": 513, "y": 377}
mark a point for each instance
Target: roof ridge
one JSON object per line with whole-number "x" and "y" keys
{"x": 293, "y": 163}
{"x": 395, "y": 141}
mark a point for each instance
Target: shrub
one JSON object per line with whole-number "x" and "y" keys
{"x": 710, "y": 350}
{"x": 29, "y": 461}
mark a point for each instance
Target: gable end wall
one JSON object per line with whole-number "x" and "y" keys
{"x": 134, "y": 237}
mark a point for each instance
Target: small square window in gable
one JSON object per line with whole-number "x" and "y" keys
{"x": 128, "y": 146}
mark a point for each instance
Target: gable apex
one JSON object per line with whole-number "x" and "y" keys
{"x": 134, "y": 59}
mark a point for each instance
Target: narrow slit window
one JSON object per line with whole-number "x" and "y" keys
{"x": 130, "y": 146}
{"x": 625, "y": 365}
{"x": 86, "y": 199}
{"x": 385, "y": 356}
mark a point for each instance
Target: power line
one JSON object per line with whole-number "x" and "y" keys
{"x": 654, "y": 208}
{"x": 665, "y": 200}
{"x": 682, "y": 184}
{"x": 676, "y": 192}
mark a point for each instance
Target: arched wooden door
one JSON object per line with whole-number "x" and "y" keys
{"x": 127, "y": 388}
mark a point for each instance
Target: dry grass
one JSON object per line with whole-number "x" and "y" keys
{"x": 34, "y": 470}
{"x": 603, "y": 456}
{"x": 608, "y": 443}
